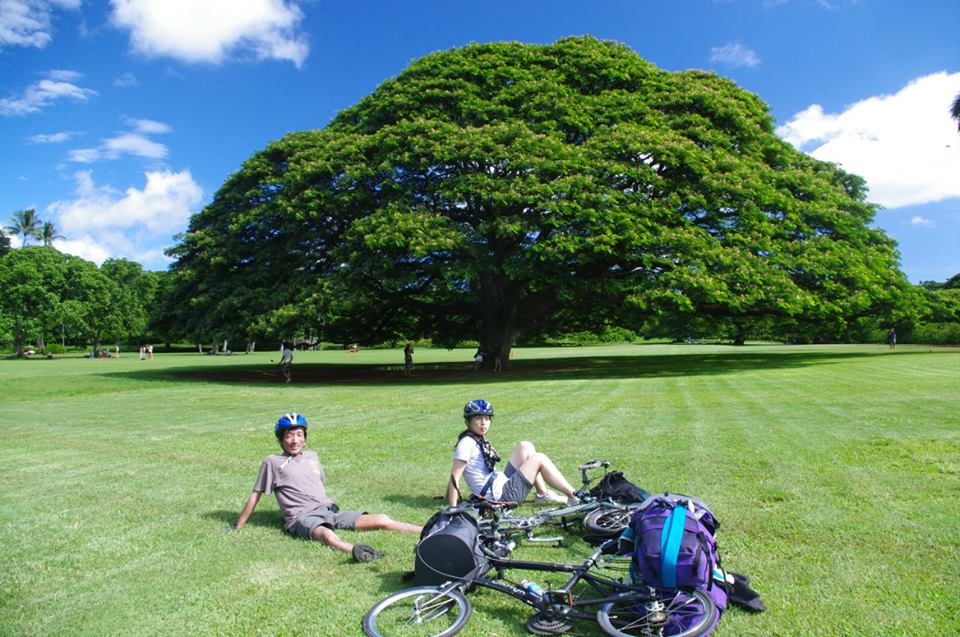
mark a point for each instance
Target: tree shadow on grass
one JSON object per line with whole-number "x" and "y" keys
{"x": 559, "y": 368}
{"x": 420, "y": 502}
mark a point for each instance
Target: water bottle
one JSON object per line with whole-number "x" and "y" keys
{"x": 533, "y": 588}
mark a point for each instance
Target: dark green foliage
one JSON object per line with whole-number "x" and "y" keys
{"x": 504, "y": 189}
{"x": 50, "y": 296}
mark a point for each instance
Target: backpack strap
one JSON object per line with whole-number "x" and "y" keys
{"x": 670, "y": 540}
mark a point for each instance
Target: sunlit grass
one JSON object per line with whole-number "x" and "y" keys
{"x": 833, "y": 469}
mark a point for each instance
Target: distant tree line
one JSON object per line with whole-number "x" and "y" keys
{"x": 51, "y": 301}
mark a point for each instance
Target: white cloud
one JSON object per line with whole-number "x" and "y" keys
{"x": 84, "y": 155}
{"x": 149, "y": 127}
{"x": 734, "y": 54}
{"x": 56, "y": 86}
{"x": 103, "y": 222}
{"x": 24, "y": 23}
{"x": 905, "y": 145}
{"x": 126, "y": 80}
{"x": 212, "y": 30}
{"x": 27, "y": 22}
{"x": 921, "y": 221}
{"x": 134, "y": 143}
{"x": 52, "y": 138}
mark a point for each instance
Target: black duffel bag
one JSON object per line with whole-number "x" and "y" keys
{"x": 449, "y": 549}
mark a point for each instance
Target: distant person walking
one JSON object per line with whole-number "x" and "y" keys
{"x": 478, "y": 359}
{"x": 408, "y": 360}
{"x": 892, "y": 338}
{"x": 149, "y": 351}
{"x": 286, "y": 361}
{"x": 143, "y": 353}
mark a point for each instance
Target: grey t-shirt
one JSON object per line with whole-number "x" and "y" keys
{"x": 297, "y": 481}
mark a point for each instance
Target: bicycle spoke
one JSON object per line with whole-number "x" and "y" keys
{"x": 423, "y": 615}
{"x": 434, "y": 607}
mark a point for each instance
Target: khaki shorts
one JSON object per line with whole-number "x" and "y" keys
{"x": 328, "y": 516}
{"x": 516, "y": 487}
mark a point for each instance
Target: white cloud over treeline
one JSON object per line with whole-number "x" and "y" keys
{"x": 135, "y": 142}
{"x": 905, "y": 145}
{"x": 211, "y": 31}
{"x": 137, "y": 224}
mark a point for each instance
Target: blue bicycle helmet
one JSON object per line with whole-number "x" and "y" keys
{"x": 289, "y": 421}
{"x": 477, "y": 407}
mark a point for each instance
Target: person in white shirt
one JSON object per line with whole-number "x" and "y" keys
{"x": 474, "y": 459}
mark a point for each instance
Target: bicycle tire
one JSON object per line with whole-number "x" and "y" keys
{"x": 421, "y": 611}
{"x": 606, "y": 522}
{"x": 683, "y": 615}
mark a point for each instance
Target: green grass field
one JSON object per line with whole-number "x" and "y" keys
{"x": 835, "y": 471}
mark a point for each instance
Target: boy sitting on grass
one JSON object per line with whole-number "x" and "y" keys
{"x": 297, "y": 479}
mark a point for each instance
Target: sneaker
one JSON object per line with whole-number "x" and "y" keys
{"x": 365, "y": 553}
{"x": 550, "y": 497}
{"x": 573, "y": 501}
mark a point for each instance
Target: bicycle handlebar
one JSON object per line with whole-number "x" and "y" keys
{"x": 600, "y": 550}
{"x": 594, "y": 464}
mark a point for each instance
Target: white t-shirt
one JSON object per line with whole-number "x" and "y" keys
{"x": 476, "y": 473}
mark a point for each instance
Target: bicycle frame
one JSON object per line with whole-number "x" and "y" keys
{"x": 561, "y": 600}
{"x": 508, "y": 523}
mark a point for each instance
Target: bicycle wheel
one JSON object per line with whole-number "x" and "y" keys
{"x": 666, "y": 614}
{"x": 607, "y": 522}
{"x": 421, "y": 611}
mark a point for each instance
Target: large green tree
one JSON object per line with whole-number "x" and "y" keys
{"x": 49, "y": 294}
{"x": 135, "y": 292}
{"x": 494, "y": 190}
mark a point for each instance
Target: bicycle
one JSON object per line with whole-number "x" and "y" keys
{"x": 620, "y": 609}
{"x": 604, "y": 517}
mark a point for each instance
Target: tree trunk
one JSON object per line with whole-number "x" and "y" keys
{"x": 18, "y": 339}
{"x": 500, "y": 326}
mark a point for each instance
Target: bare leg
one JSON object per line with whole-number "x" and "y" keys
{"x": 327, "y": 536}
{"x": 372, "y": 521}
{"x": 537, "y": 468}
{"x": 521, "y": 453}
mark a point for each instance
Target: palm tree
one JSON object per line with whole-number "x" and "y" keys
{"x": 955, "y": 110}
{"x": 25, "y": 222}
{"x": 49, "y": 233}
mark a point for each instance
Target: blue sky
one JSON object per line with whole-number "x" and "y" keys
{"x": 119, "y": 119}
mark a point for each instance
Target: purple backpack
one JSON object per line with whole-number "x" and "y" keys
{"x": 674, "y": 545}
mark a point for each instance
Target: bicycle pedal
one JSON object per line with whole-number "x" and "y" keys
{"x": 546, "y": 540}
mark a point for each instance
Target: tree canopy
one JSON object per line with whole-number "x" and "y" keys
{"x": 498, "y": 190}
{"x": 49, "y": 294}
